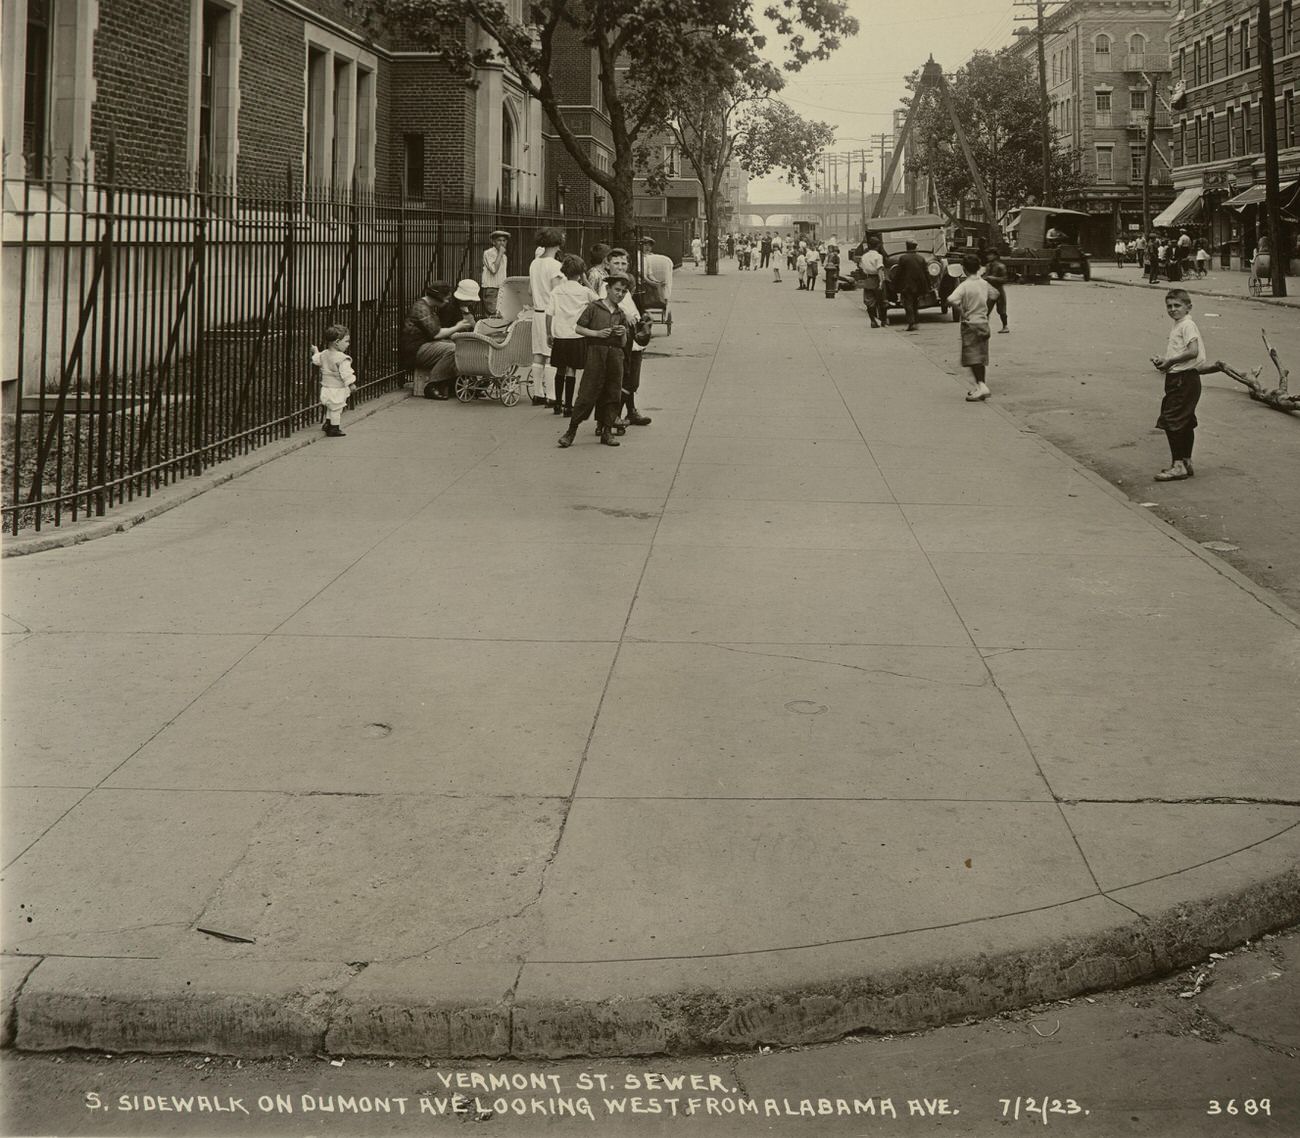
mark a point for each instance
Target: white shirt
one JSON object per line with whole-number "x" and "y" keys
{"x": 972, "y": 298}
{"x": 871, "y": 262}
{"x": 1180, "y": 339}
{"x": 493, "y": 277}
{"x": 566, "y": 303}
{"x": 543, "y": 275}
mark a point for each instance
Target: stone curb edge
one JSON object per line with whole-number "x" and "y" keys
{"x": 137, "y": 512}
{"x": 1276, "y": 301}
{"x": 272, "y": 1008}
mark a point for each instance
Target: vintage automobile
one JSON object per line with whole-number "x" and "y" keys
{"x": 927, "y": 230}
{"x": 1046, "y": 240}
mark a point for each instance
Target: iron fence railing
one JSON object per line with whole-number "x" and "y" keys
{"x": 152, "y": 333}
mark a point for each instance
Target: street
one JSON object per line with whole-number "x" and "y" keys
{"x": 1075, "y": 370}
{"x": 1154, "y": 1061}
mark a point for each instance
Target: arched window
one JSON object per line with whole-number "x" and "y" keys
{"x": 1137, "y": 43}
{"x": 509, "y": 184}
{"x": 1102, "y": 45}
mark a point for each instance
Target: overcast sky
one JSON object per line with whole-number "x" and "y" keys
{"x": 857, "y": 89}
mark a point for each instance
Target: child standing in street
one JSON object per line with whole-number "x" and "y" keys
{"x": 801, "y": 269}
{"x": 832, "y": 272}
{"x": 568, "y": 351}
{"x": 973, "y": 298}
{"x": 813, "y": 257}
{"x": 1184, "y": 353}
{"x": 337, "y": 379}
{"x": 995, "y": 272}
{"x": 605, "y": 329}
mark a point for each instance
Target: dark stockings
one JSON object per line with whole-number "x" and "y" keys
{"x": 1180, "y": 443}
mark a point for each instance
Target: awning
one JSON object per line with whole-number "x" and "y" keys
{"x": 1182, "y": 210}
{"x": 1255, "y": 195}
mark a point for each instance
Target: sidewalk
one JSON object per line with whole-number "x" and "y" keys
{"x": 1220, "y": 282}
{"x": 827, "y": 703}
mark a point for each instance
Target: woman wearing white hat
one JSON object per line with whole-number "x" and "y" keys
{"x": 425, "y": 339}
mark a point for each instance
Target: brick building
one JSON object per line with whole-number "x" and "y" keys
{"x": 575, "y": 74}
{"x": 1218, "y": 139}
{"x": 1099, "y": 54}
{"x": 249, "y": 88}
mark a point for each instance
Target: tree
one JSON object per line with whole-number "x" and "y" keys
{"x": 717, "y": 118}
{"x": 996, "y": 100}
{"x": 661, "y": 43}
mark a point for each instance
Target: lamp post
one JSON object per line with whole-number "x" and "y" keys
{"x": 560, "y": 190}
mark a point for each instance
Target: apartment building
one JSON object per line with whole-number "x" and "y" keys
{"x": 1218, "y": 138}
{"x": 1102, "y": 57}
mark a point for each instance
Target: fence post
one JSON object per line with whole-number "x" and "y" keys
{"x": 198, "y": 377}
{"x": 106, "y": 332}
{"x": 354, "y": 259}
{"x": 292, "y": 373}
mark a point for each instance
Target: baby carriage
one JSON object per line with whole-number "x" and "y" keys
{"x": 654, "y": 288}
{"x": 490, "y": 358}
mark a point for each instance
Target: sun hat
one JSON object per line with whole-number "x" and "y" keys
{"x": 466, "y": 290}
{"x": 497, "y": 233}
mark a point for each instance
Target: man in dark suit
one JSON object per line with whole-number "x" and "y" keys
{"x": 912, "y": 281}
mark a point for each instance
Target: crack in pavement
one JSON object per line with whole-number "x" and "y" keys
{"x": 1209, "y": 801}
{"x": 851, "y": 667}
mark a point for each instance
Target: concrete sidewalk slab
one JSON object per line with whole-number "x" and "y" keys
{"x": 827, "y": 703}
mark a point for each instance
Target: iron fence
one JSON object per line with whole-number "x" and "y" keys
{"x": 152, "y": 333}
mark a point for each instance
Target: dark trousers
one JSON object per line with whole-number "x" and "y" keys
{"x": 1001, "y": 305}
{"x": 1180, "y": 443}
{"x": 601, "y": 387}
{"x": 765, "y": 255}
{"x": 911, "y": 305}
{"x": 874, "y": 299}
{"x": 631, "y": 374}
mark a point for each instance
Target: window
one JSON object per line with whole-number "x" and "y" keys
{"x": 1105, "y": 164}
{"x": 1102, "y": 47}
{"x": 1208, "y": 56}
{"x": 1136, "y": 158}
{"x": 1182, "y": 143}
{"x": 413, "y": 165}
{"x": 36, "y": 88}
{"x": 1196, "y": 62}
{"x": 508, "y": 186}
{"x": 215, "y": 90}
{"x": 1288, "y": 27}
{"x": 340, "y": 112}
{"x": 1196, "y": 134}
{"x": 50, "y": 44}
{"x": 1137, "y": 100}
{"x": 1103, "y": 102}
{"x": 1244, "y": 40}
{"x": 1209, "y": 137}
{"x": 1288, "y": 118}
{"x": 1232, "y": 132}
{"x": 1182, "y": 64}
{"x": 1247, "y": 129}
{"x": 1227, "y": 51}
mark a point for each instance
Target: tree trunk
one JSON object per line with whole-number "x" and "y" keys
{"x": 621, "y": 198}
{"x": 710, "y": 231}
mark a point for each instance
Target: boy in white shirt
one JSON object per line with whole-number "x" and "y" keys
{"x": 568, "y": 300}
{"x": 1184, "y": 353}
{"x": 973, "y": 298}
{"x": 495, "y": 267}
{"x": 543, "y": 275}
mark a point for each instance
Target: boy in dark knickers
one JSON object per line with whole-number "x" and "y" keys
{"x": 1183, "y": 356}
{"x": 605, "y": 329}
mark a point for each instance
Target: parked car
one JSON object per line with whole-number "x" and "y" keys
{"x": 1037, "y": 233}
{"x": 927, "y": 230}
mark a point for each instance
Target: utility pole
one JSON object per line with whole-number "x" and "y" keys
{"x": 1044, "y": 117}
{"x": 1277, "y": 258}
{"x": 1150, "y": 146}
{"x": 882, "y": 142}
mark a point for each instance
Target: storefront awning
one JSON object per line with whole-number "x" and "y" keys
{"x": 1255, "y": 195}
{"x": 1185, "y": 207}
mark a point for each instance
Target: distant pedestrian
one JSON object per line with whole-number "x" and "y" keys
{"x": 801, "y": 269}
{"x": 813, "y": 261}
{"x": 1153, "y": 259}
{"x": 1184, "y": 353}
{"x": 731, "y": 244}
{"x": 972, "y": 299}
{"x": 1121, "y": 251}
{"x": 777, "y": 255}
{"x": 697, "y": 251}
{"x": 995, "y": 272}
{"x": 337, "y": 379}
{"x": 765, "y": 250}
{"x": 1202, "y": 257}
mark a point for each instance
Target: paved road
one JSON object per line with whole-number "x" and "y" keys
{"x": 1088, "y": 388}
{"x": 1148, "y": 1062}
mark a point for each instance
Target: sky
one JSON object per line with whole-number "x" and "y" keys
{"x": 857, "y": 89}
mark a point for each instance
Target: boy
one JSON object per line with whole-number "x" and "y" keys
{"x": 634, "y": 351}
{"x": 801, "y": 269}
{"x": 973, "y": 298}
{"x": 1184, "y": 354}
{"x": 605, "y": 329}
{"x": 832, "y": 271}
{"x": 493, "y": 275}
{"x": 995, "y": 272}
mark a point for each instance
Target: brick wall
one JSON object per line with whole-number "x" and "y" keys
{"x": 145, "y": 106}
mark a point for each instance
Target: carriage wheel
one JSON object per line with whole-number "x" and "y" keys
{"x": 510, "y": 390}
{"x": 1255, "y": 285}
{"x": 464, "y": 388}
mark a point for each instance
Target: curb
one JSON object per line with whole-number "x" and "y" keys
{"x": 131, "y": 514}
{"x": 1277, "y": 301}
{"x": 412, "y": 1009}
